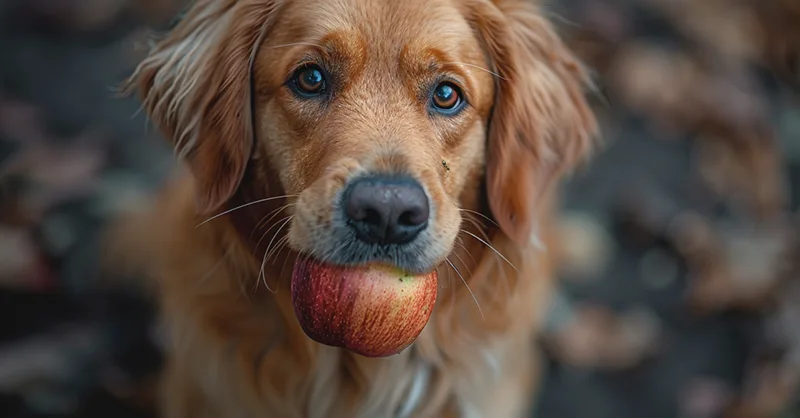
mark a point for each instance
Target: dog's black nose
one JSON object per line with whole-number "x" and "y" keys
{"x": 386, "y": 210}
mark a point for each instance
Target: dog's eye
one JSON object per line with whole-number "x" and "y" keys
{"x": 309, "y": 81}
{"x": 447, "y": 98}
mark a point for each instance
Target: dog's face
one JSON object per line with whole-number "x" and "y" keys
{"x": 377, "y": 118}
{"x": 374, "y": 116}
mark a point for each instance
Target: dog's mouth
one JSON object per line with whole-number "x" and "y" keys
{"x": 374, "y": 310}
{"x": 365, "y": 278}
{"x": 378, "y": 219}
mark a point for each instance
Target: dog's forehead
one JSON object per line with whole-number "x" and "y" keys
{"x": 388, "y": 25}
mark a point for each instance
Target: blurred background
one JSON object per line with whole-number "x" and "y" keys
{"x": 678, "y": 295}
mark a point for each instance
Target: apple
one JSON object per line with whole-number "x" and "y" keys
{"x": 374, "y": 310}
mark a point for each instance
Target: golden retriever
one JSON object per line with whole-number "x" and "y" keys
{"x": 471, "y": 108}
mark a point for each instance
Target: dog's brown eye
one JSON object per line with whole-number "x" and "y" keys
{"x": 447, "y": 98}
{"x": 309, "y": 81}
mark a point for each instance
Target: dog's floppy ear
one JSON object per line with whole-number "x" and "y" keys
{"x": 195, "y": 85}
{"x": 541, "y": 124}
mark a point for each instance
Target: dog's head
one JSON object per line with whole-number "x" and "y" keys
{"x": 381, "y": 121}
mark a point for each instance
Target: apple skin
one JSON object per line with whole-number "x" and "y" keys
{"x": 374, "y": 311}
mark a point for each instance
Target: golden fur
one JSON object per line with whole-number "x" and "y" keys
{"x": 236, "y": 349}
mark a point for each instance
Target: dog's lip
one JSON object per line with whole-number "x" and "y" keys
{"x": 302, "y": 255}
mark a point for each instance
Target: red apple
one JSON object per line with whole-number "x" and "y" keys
{"x": 375, "y": 310}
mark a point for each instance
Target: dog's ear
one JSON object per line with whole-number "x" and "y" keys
{"x": 541, "y": 125}
{"x": 195, "y": 85}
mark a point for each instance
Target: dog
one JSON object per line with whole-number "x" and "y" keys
{"x": 465, "y": 112}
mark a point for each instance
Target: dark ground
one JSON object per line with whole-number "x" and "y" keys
{"x": 66, "y": 351}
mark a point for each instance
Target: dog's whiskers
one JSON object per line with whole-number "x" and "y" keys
{"x": 469, "y": 271}
{"x": 283, "y": 266}
{"x": 264, "y": 235}
{"x": 460, "y": 242}
{"x": 475, "y": 223}
{"x": 280, "y": 245}
{"x": 467, "y": 286}
{"x": 309, "y": 255}
{"x": 503, "y": 276}
{"x": 491, "y": 247}
{"x": 477, "y": 67}
{"x": 283, "y": 225}
{"x": 296, "y": 44}
{"x": 468, "y": 211}
{"x": 258, "y": 244}
{"x": 477, "y": 226}
{"x": 243, "y": 206}
{"x": 267, "y": 251}
{"x": 272, "y": 215}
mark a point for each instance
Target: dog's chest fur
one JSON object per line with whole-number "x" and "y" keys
{"x": 415, "y": 386}
{"x": 480, "y": 379}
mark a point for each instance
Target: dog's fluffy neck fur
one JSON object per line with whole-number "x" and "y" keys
{"x": 465, "y": 357}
